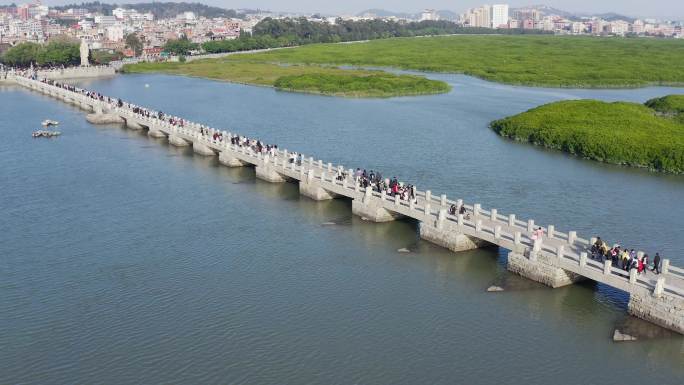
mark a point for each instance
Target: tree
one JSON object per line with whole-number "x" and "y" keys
{"x": 134, "y": 43}
{"x": 181, "y": 46}
{"x": 55, "y": 53}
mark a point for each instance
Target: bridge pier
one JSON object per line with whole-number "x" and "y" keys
{"x": 312, "y": 189}
{"x": 371, "y": 209}
{"x": 202, "y": 149}
{"x": 133, "y": 125}
{"x": 267, "y": 173}
{"x": 104, "y": 118}
{"x": 177, "y": 141}
{"x": 451, "y": 240}
{"x": 657, "y": 307}
{"x": 154, "y": 133}
{"x": 227, "y": 158}
{"x": 541, "y": 268}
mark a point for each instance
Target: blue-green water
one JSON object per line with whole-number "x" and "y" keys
{"x": 125, "y": 260}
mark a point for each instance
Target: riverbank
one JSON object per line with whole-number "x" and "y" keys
{"x": 300, "y": 78}
{"x": 544, "y": 61}
{"x": 621, "y": 133}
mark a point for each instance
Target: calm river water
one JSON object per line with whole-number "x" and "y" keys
{"x": 124, "y": 260}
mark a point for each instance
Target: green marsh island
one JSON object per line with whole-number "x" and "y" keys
{"x": 314, "y": 79}
{"x": 648, "y": 136}
{"x": 545, "y": 61}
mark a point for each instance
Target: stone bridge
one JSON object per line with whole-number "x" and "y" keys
{"x": 558, "y": 259}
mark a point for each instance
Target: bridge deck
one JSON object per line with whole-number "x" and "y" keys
{"x": 508, "y": 232}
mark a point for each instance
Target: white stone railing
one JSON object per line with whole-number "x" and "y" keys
{"x": 507, "y": 231}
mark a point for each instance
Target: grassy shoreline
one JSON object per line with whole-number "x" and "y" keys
{"x": 311, "y": 79}
{"x": 621, "y": 133}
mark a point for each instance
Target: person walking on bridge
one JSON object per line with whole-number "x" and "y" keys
{"x": 656, "y": 264}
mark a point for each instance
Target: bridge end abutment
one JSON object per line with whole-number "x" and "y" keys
{"x": 657, "y": 307}
{"x": 541, "y": 268}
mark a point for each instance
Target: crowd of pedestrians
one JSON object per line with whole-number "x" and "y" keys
{"x": 623, "y": 258}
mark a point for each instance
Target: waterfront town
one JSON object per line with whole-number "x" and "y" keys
{"x": 107, "y": 30}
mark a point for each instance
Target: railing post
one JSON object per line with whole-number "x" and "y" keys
{"x": 494, "y": 215}
{"x": 476, "y": 210}
{"x": 659, "y": 287}
{"x": 530, "y": 225}
{"x": 632, "y": 276}
{"x": 537, "y": 245}
{"x": 427, "y": 209}
{"x": 559, "y": 252}
{"x": 411, "y": 204}
{"x": 497, "y": 232}
{"x": 511, "y": 220}
{"x": 478, "y": 225}
{"x": 459, "y": 204}
{"x": 460, "y": 220}
{"x": 665, "y": 266}
{"x": 572, "y": 236}
{"x": 550, "y": 229}
{"x": 516, "y": 237}
{"x": 443, "y": 200}
{"x": 368, "y": 192}
{"x": 396, "y": 200}
{"x": 329, "y": 167}
{"x": 441, "y": 217}
{"x": 428, "y": 195}
{"x": 323, "y": 176}
{"x": 592, "y": 240}
{"x": 606, "y": 266}
{"x": 583, "y": 260}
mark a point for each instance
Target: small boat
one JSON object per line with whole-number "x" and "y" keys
{"x": 48, "y": 123}
{"x": 45, "y": 134}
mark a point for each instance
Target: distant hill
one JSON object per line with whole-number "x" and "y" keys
{"x": 160, "y": 10}
{"x": 385, "y": 13}
{"x": 548, "y": 10}
{"x": 443, "y": 14}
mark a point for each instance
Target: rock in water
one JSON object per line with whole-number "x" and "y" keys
{"x": 493, "y": 289}
{"x": 617, "y": 336}
{"x": 404, "y": 250}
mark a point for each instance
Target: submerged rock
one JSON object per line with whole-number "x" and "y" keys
{"x": 618, "y": 336}
{"x": 493, "y": 289}
{"x": 404, "y": 250}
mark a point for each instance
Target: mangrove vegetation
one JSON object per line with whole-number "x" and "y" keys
{"x": 620, "y": 133}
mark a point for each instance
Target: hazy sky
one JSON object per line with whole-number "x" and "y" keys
{"x": 671, "y": 9}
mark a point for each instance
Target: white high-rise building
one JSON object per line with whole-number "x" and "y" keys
{"x": 429, "y": 14}
{"x": 499, "y": 15}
